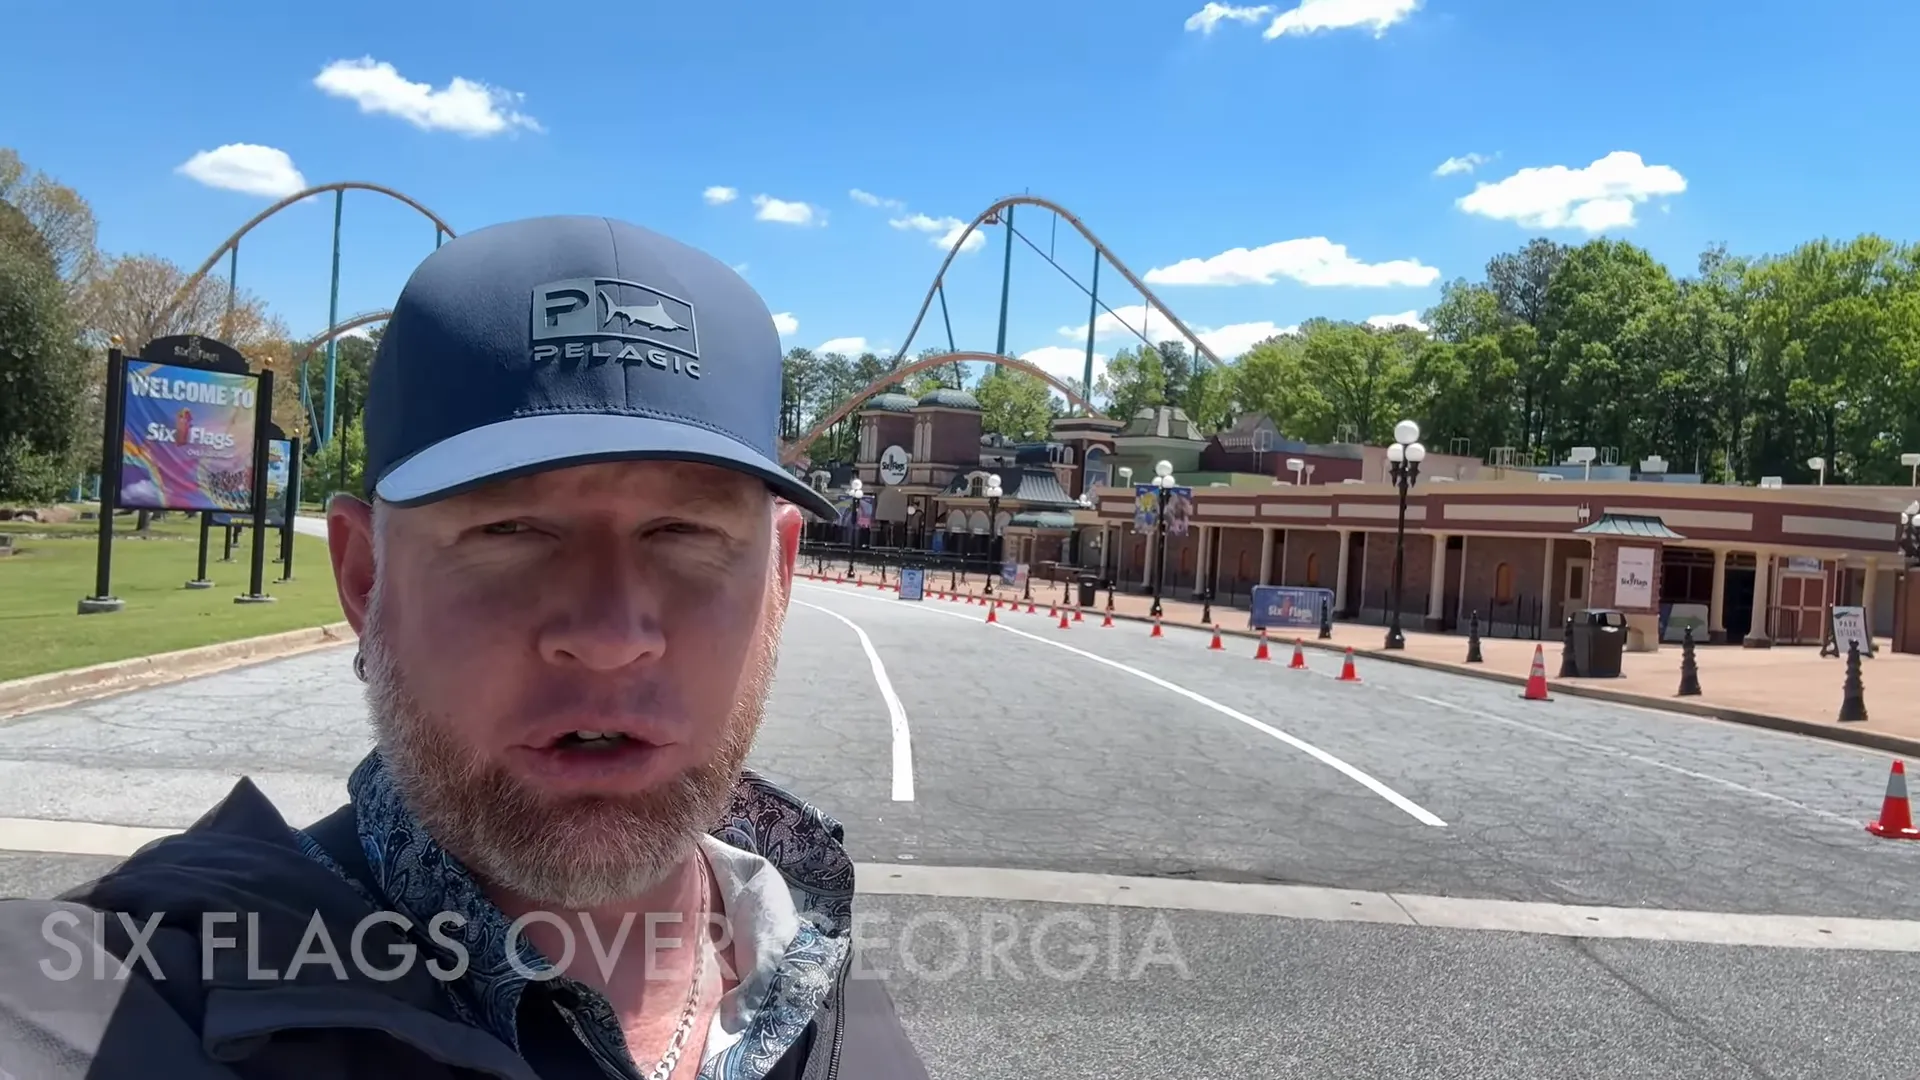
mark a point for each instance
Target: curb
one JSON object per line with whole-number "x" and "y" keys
{"x": 1874, "y": 740}
{"x": 19, "y": 697}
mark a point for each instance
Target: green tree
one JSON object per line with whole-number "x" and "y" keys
{"x": 43, "y": 375}
{"x": 1135, "y": 379}
{"x": 1015, "y": 404}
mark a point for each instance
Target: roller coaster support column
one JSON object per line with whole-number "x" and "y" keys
{"x": 1006, "y": 282}
{"x": 326, "y": 432}
{"x": 233, "y": 280}
{"x": 1093, "y": 316}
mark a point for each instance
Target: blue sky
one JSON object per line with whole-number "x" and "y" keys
{"x": 1308, "y": 134}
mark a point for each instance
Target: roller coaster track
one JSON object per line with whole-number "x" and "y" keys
{"x": 790, "y": 452}
{"x": 992, "y": 213}
{"x": 193, "y": 280}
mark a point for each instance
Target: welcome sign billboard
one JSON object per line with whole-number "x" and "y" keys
{"x": 187, "y": 438}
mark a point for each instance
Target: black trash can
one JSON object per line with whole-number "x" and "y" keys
{"x": 1089, "y": 590}
{"x": 1599, "y": 642}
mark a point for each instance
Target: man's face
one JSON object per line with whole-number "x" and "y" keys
{"x": 638, "y": 603}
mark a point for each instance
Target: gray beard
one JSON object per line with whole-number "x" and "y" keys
{"x": 576, "y": 853}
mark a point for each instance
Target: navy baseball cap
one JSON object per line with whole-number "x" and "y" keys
{"x": 561, "y": 341}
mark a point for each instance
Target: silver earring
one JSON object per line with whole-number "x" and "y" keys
{"x": 360, "y": 665}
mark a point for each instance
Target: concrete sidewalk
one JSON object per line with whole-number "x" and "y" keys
{"x": 1788, "y": 688}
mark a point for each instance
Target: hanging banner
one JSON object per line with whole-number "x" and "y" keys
{"x": 1179, "y": 510}
{"x": 187, "y": 439}
{"x": 1145, "y": 502}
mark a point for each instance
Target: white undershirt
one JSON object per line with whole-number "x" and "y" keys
{"x": 761, "y": 916}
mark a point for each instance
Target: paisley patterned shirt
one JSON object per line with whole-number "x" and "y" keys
{"x": 421, "y": 879}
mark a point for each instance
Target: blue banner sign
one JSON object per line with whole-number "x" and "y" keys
{"x": 913, "y": 582}
{"x": 1282, "y": 606}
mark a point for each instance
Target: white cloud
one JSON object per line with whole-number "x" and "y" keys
{"x": 1227, "y": 342}
{"x": 845, "y": 346}
{"x": 463, "y": 105}
{"x": 246, "y": 168}
{"x": 867, "y": 198}
{"x": 1409, "y": 319}
{"x": 1598, "y": 197}
{"x": 946, "y": 230}
{"x": 1211, "y": 16}
{"x": 1316, "y": 15}
{"x": 786, "y": 323}
{"x": 1465, "y": 163}
{"x": 1314, "y": 260}
{"x": 1065, "y": 362}
{"x": 720, "y": 196}
{"x": 784, "y": 212}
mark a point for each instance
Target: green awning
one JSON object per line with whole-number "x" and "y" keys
{"x": 1637, "y": 526}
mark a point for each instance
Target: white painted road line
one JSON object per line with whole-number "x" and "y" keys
{"x": 76, "y": 837}
{"x": 1614, "y": 751}
{"x": 1419, "y": 813}
{"x": 1220, "y": 897}
{"x": 1401, "y": 909}
{"x": 896, "y": 713}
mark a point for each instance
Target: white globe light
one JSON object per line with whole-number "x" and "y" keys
{"x": 1396, "y": 453}
{"x": 1405, "y": 431}
{"x": 1416, "y": 453}
{"x": 853, "y": 488}
{"x": 1163, "y": 468}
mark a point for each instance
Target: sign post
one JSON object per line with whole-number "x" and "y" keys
{"x": 256, "y": 592}
{"x": 103, "y": 601}
{"x": 913, "y": 582}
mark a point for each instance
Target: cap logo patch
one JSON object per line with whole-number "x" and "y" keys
{"x": 601, "y": 320}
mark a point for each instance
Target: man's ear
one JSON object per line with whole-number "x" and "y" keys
{"x": 788, "y": 523}
{"x": 350, "y": 543}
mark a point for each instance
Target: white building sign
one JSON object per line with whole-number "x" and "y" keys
{"x": 1633, "y": 585}
{"x": 893, "y": 465}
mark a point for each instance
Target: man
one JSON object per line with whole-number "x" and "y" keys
{"x": 569, "y": 583}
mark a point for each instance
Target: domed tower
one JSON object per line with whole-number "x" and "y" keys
{"x": 886, "y": 467}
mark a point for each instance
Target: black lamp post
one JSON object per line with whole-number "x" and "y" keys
{"x": 993, "y": 526}
{"x": 1163, "y": 482}
{"x": 853, "y": 522}
{"x": 1403, "y": 463}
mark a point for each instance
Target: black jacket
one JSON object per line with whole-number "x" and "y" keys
{"x": 79, "y": 1000}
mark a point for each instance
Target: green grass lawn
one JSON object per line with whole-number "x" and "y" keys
{"x": 42, "y": 583}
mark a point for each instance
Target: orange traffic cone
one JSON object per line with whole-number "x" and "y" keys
{"x": 1076, "y": 616}
{"x": 1261, "y": 652}
{"x": 1896, "y": 816}
{"x": 1031, "y": 610}
{"x": 1108, "y": 621}
{"x": 1215, "y": 643}
{"x": 1156, "y": 628}
{"x": 1537, "y": 678}
{"x": 1052, "y": 610}
{"x": 1300, "y": 655}
{"x": 993, "y": 614}
{"x": 1063, "y": 619}
{"x": 1347, "y": 673}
